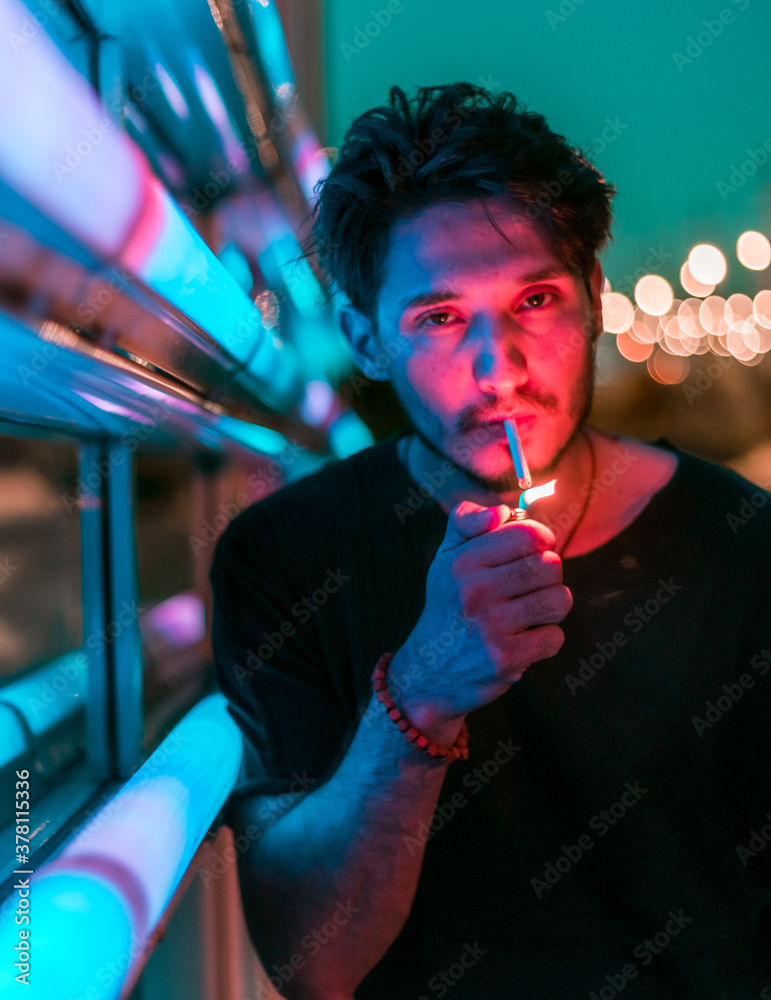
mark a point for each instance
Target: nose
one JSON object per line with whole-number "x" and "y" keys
{"x": 499, "y": 366}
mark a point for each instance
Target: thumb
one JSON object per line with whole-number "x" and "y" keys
{"x": 469, "y": 519}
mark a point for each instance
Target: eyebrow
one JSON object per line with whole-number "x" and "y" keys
{"x": 444, "y": 295}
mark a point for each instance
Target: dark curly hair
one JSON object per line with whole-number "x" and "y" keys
{"x": 450, "y": 143}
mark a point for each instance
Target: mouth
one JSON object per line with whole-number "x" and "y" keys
{"x": 524, "y": 421}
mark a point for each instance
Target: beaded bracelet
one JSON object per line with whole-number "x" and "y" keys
{"x": 446, "y": 754}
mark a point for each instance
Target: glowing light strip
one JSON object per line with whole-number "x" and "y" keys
{"x": 48, "y": 694}
{"x": 111, "y": 884}
{"x": 179, "y": 265}
{"x": 271, "y": 44}
{"x": 310, "y": 162}
{"x": 82, "y": 171}
{"x": 61, "y": 150}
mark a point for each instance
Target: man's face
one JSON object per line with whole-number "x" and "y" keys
{"x": 481, "y": 329}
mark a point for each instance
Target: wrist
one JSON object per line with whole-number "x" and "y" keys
{"x": 425, "y": 715}
{"x": 437, "y": 728}
{"x": 436, "y": 735}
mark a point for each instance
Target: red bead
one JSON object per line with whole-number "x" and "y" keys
{"x": 422, "y": 741}
{"x": 403, "y": 725}
{"x": 412, "y": 734}
{"x": 395, "y": 714}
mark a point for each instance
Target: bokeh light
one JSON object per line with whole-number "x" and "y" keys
{"x": 739, "y": 313}
{"x": 673, "y": 341}
{"x": 707, "y": 264}
{"x": 632, "y": 349}
{"x": 617, "y": 312}
{"x": 753, "y": 250}
{"x": 653, "y": 294}
{"x": 645, "y": 329}
{"x": 666, "y": 368}
{"x": 755, "y": 360}
{"x": 762, "y": 308}
{"x": 688, "y": 318}
{"x": 665, "y": 331}
{"x": 717, "y": 346}
{"x": 741, "y": 345}
{"x": 693, "y": 336}
{"x": 764, "y": 339}
{"x": 691, "y": 285}
{"x": 711, "y": 311}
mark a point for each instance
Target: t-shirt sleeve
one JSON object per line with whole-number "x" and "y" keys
{"x": 270, "y": 662}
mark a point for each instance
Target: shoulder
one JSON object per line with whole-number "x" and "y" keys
{"x": 718, "y": 486}
{"x": 335, "y": 495}
{"x": 707, "y": 493}
{"x": 656, "y": 464}
{"x": 696, "y": 499}
{"x": 337, "y": 486}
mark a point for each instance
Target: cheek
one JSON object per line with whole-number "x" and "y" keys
{"x": 407, "y": 376}
{"x": 410, "y": 384}
{"x": 421, "y": 375}
{"x": 441, "y": 381}
{"x": 569, "y": 345}
{"x": 565, "y": 366}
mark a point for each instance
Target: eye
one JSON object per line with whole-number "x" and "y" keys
{"x": 425, "y": 320}
{"x": 539, "y": 305}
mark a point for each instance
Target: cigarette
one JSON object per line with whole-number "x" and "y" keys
{"x": 518, "y": 455}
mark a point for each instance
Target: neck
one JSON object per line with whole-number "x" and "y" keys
{"x": 560, "y": 512}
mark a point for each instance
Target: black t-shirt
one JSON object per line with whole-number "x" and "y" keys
{"x": 611, "y": 829}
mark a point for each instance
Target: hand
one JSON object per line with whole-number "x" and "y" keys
{"x": 496, "y": 590}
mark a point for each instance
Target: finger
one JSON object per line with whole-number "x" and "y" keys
{"x": 509, "y": 618}
{"x": 470, "y": 520}
{"x": 521, "y": 576}
{"x": 536, "y": 644}
{"x": 509, "y": 541}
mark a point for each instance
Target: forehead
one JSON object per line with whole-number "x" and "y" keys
{"x": 457, "y": 240}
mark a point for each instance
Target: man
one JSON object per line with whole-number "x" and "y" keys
{"x": 608, "y": 658}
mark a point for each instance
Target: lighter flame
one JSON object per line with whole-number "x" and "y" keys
{"x": 536, "y": 492}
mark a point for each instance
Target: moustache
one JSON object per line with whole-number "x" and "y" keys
{"x": 472, "y": 420}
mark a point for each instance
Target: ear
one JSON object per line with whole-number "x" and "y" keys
{"x": 359, "y": 332}
{"x": 595, "y": 291}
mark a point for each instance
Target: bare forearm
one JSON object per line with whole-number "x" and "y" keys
{"x": 349, "y": 853}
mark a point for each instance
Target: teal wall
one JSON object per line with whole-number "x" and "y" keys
{"x": 684, "y": 126}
